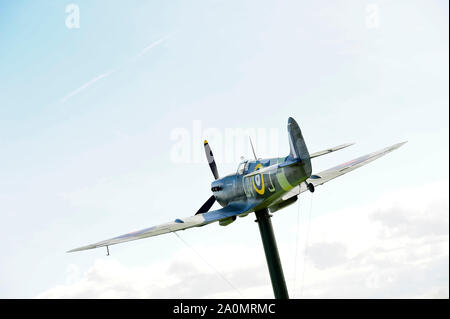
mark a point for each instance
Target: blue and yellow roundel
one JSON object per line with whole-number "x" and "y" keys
{"x": 258, "y": 181}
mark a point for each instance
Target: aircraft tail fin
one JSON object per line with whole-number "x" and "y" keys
{"x": 298, "y": 146}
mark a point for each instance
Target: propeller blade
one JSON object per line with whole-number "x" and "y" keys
{"x": 206, "y": 206}
{"x": 210, "y": 158}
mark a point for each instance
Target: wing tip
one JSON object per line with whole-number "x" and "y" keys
{"x": 399, "y": 144}
{"x": 75, "y": 250}
{"x": 83, "y": 248}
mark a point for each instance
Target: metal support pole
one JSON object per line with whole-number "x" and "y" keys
{"x": 273, "y": 258}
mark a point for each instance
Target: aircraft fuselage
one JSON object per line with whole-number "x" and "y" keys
{"x": 262, "y": 188}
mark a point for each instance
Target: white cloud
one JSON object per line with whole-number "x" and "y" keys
{"x": 396, "y": 247}
{"x": 184, "y": 276}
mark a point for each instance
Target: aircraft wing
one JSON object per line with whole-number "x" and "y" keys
{"x": 332, "y": 173}
{"x": 176, "y": 225}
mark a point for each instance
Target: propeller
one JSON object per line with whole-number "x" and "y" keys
{"x": 212, "y": 164}
{"x": 210, "y": 158}
{"x": 207, "y": 205}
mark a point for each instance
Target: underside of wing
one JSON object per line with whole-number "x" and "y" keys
{"x": 329, "y": 174}
{"x": 178, "y": 224}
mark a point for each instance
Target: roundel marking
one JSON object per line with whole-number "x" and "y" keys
{"x": 258, "y": 181}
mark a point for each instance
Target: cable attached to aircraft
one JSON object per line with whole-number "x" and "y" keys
{"x": 212, "y": 267}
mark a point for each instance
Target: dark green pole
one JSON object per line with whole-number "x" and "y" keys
{"x": 273, "y": 258}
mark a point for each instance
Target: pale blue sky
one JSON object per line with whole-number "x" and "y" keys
{"x": 86, "y": 114}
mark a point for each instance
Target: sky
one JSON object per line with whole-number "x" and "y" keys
{"x": 104, "y": 106}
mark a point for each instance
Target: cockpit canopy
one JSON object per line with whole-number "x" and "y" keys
{"x": 242, "y": 167}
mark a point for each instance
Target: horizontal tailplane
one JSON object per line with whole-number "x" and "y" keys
{"x": 329, "y": 150}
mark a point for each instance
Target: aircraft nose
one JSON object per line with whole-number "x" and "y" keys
{"x": 216, "y": 186}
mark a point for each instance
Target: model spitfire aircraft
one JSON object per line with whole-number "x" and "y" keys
{"x": 260, "y": 184}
